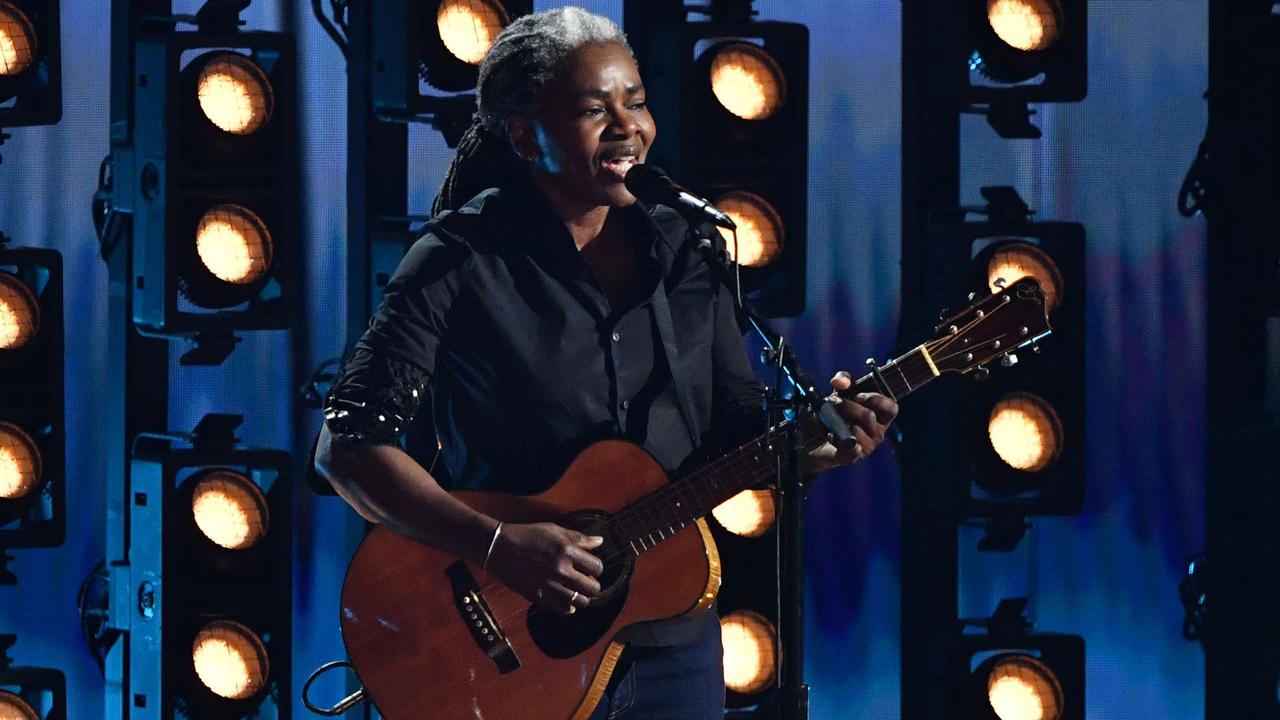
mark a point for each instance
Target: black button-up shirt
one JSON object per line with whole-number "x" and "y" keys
{"x": 496, "y": 311}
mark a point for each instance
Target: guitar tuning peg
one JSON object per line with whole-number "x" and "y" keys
{"x": 1008, "y": 360}
{"x": 972, "y": 295}
{"x": 980, "y": 373}
{"x": 1000, "y": 282}
{"x": 1035, "y": 349}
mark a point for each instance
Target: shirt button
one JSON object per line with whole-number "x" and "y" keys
{"x": 616, "y": 336}
{"x": 626, "y": 404}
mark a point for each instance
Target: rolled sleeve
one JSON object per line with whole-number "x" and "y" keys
{"x": 381, "y": 384}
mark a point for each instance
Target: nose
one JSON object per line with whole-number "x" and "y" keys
{"x": 624, "y": 124}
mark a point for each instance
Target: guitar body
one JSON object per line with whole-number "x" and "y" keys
{"x": 407, "y": 608}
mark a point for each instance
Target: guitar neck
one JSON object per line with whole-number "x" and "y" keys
{"x": 660, "y": 515}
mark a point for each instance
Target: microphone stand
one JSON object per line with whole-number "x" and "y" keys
{"x": 793, "y": 693}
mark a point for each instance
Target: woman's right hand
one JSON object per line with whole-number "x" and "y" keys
{"x": 550, "y": 565}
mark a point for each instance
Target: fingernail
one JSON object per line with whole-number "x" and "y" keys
{"x": 596, "y": 540}
{"x": 841, "y": 374}
{"x": 863, "y": 397}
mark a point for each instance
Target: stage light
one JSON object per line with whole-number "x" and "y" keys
{"x": 1020, "y": 687}
{"x": 1026, "y": 25}
{"x": 216, "y": 219}
{"x": 30, "y": 693}
{"x": 1025, "y": 432}
{"x": 469, "y": 27}
{"x": 17, "y": 40}
{"x": 750, "y": 513}
{"x": 234, "y": 93}
{"x": 1015, "y": 260}
{"x": 230, "y": 509}
{"x": 731, "y": 96}
{"x": 230, "y": 660}
{"x": 1012, "y": 673}
{"x": 750, "y": 664}
{"x": 234, "y": 244}
{"x": 13, "y": 707}
{"x": 32, "y": 419}
{"x": 20, "y": 463}
{"x": 214, "y": 521}
{"x": 760, "y": 234}
{"x": 747, "y": 80}
{"x": 19, "y": 313}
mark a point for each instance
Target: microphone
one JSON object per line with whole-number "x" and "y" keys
{"x": 651, "y": 184}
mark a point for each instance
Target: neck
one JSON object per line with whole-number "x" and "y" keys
{"x": 584, "y": 221}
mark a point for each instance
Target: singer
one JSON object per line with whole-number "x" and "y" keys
{"x": 545, "y": 308}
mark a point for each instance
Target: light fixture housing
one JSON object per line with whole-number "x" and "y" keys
{"x": 239, "y": 165}
{"x": 1001, "y": 71}
{"x": 244, "y": 586}
{"x": 32, "y": 93}
{"x": 31, "y": 400}
{"x": 761, "y": 152}
{"x": 30, "y": 692}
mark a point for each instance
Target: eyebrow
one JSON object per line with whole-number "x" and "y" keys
{"x": 604, "y": 95}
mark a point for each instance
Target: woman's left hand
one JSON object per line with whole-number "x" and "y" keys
{"x": 868, "y": 415}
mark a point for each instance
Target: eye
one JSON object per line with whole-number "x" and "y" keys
{"x": 639, "y": 105}
{"x": 595, "y": 111}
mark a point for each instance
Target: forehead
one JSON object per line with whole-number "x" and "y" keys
{"x": 594, "y": 69}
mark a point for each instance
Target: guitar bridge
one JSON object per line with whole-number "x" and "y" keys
{"x": 479, "y": 619}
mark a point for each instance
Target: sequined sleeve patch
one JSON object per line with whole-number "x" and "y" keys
{"x": 373, "y": 400}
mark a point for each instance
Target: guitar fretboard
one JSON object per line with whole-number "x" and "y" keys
{"x": 661, "y": 514}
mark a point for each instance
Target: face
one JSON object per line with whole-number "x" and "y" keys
{"x": 591, "y": 126}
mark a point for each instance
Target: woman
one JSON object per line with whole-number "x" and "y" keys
{"x": 547, "y": 309}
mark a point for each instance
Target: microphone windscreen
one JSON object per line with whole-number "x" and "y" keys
{"x": 648, "y": 182}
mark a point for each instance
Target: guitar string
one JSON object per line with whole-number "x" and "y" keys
{"x": 650, "y": 507}
{"x": 737, "y": 460}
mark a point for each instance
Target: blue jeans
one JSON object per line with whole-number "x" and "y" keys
{"x": 681, "y": 682}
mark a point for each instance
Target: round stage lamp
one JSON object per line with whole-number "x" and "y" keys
{"x": 235, "y": 95}
{"x": 19, "y": 312}
{"x": 1026, "y": 25}
{"x": 749, "y": 661}
{"x": 1020, "y": 687}
{"x": 468, "y": 27}
{"x": 233, "y": 244}
{"x": 750, "y": 513}
{"x": 1025, "y": 432}
{"x": 760, "y": 230}
{"x": 13, "y": 707}
{"x": 230, "y": 509}
{"x": 230, "y": 660}
{"x": 747, "y": 81}
{"x": 20, "y": 463}
{"x": 17, "y": 40}
{"x": 1013, "y": 261}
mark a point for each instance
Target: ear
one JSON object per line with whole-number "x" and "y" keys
{"x": 523, "y": 138}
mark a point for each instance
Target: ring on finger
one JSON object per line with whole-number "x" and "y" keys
{"x": 574, "y": 598}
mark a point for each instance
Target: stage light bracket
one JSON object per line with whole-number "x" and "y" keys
{"x": 45, "y": 686}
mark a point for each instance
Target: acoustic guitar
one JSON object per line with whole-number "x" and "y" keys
{"x": 432, "y": 636}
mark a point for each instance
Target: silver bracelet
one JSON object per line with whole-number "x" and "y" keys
{"x": 496, "y": 532}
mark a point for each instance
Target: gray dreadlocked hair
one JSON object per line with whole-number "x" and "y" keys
{"x": 514, "y": 74}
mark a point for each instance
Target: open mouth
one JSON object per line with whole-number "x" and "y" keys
{"x": 618, "y": 165}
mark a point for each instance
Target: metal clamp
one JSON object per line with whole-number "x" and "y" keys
{"x": 884, "y": 385}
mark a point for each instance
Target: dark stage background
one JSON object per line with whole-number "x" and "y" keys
{"x": 1113, "y": 162}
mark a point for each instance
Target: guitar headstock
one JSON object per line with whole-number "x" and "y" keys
{"x": 991, "y": 329}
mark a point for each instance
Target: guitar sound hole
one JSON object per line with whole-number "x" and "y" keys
{"x": 565, "y": 636}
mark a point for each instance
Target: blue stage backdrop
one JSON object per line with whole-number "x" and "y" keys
{"x": 1113, "y": 162}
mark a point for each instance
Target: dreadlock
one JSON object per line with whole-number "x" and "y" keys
{"x": 513, "y": 76}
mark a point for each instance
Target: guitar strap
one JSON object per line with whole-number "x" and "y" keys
{"x": 667, "y": 333}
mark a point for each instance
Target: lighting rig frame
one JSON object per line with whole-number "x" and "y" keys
{"x": 36, "y": 91}
{"x": 26, "y": 682}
